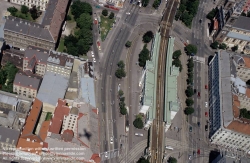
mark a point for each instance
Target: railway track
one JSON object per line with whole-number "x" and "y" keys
{"x": 157, "y": 140}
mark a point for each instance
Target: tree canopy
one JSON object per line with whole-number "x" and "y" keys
{"x": 176, "y": 54}
{"x": 189, "y": 91}
{"x": 172, "y": 160}
{"x": 191, "y": 49}
{"x": 143, "y": 56}
{"x": 128, "y": 44}
{"x": 7, "y": 76}
{"x": 189, "y": 101}
{"x": 78, "y": 7}
{"x": 148, "y": 36}
{"x": 189, "y": 110}
{"x": 120, "y": 93}
{"x": 105, "y": 12}
{"x": 138, "y": 123}
{"x": 145, "y": 3}
{"x": 12, "y": 10}
{"x": 143, "y": 160}
{"x": 120, "y": 73}
{"x": 156, "y": 4}
{"x": 212, "y": 13}
{"x": 111, "y": 15}
{"x": 235, "y": 48}
{"x": 24, "y": 9}
{"x": 121, "y": 64}
{"x": 84, "y": 21}
{"x": 214, "y": 45}
{"x": 244, "y": 113}
{"x": 222, "y": 46}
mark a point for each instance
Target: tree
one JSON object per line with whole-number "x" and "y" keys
{"x": 145, "y": 3}
{"x": 120, "y": 73}
{"x": 24, "y": 9}
{"x": 84, "y": 21}
{"x": 172, "y": 160}
{"x": 12, "y": 10}
{"x": 212, "y": 14}
{"x": 143, "y": 56}
{"x": 191, "y": 49}
{"x": 187, "y": 18}
{"x": 122, "y": 104}
{"x": 111, "y": 15}
{"x": 189, "y": 91}
{"x": 180, "y": 68}
{"x": 72, "y": 49}
{"x": 121, "y": 64}
{"x": 138, "y": 123}
{"x": 120, "y": 93}
{"x": 176, "y": 54}
{"x": 78, "y": 7}
{"x": 143, "y": 160}
{"x": 182, "y": 7}
{"x": 105, "y": 12}
{"x": 82, "y": 47}
{"x": 123, "y": 110}
{"x": 128, "y": 44}
{"x": 176, "y": 62}
{"x": 122, "y": 99}
{"x": 156, "y": 4}
{"x": 34, "y": 12}
{"x": 190, "y": 63}
{"x": 189, "y": 102}
{"x": 189, "y": 110}
{"x": 222, "y": 46}
{"x": 214, "y": 45}
{"x": 147, "y": 37}
{"x": 235, "y": 48}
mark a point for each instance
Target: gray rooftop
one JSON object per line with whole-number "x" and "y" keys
{"x": 53, "y": 86}
{"x": 26, "y": 81}
{"x": 238, "y": 36}
{"x": 10, "y": 134}
{"x": 74, "y": 111}
{"x": 242, "y": 23}
{"x": 28, "y": 28}
{"x": 41, "y": 55}
{"x": 225, "y": 85}
{"x": 8, "y": 99}
{"x": 88, "y": 90}
{"x": 49, "y": 12}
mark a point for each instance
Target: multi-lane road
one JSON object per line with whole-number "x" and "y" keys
{"x": 157, "y": 130}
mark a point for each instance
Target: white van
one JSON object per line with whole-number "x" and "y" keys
{"x": 138, "y": 134}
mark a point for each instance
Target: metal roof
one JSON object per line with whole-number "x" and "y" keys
{"x": 238, "y": 36}
{"x": 88, "y": 90}
{"x": 53, "y": 87}
{"x": 8, "y": 100}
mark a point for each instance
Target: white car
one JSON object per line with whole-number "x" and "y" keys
{"x": 128, "y": 13}
{"x": 106, "y": 154}
{"x": 93, "y": 55}
{"x": 206, "y": 104}
{"x": 138, "y": 134}
{"x": 111, "y": 140}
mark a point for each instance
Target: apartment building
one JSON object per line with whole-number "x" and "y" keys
{"x": 26, "y": 85}
{"x": 8, "y": 138}
{"x": 227, "y": 129}
{"x": 35, "y": 60}
{"x": 60, "y": 63}
{"x": 7, "y": 103}
{"x": 70, "y": 120}
{"x": 21, "y": 33}
{"x": 13, "y": 56}
{"x": 30, "y": 3}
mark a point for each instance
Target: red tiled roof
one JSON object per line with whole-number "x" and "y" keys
{"x": 216, "y": 24}
{"x": 57, "y": 120}
{"x": 33, "y": 117}
{"x": 67, "y": 135}
{"x": 96, "y": 158}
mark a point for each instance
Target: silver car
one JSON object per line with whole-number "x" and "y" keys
{"x": 206, "y": 104}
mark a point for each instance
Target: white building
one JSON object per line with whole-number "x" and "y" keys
{"x": 227, "y": 129}
{"x": 70, "y": 121}
{"x": 31, "y": 3}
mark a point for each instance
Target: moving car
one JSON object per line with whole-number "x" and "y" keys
{"x": 189, "y": 157}
{"x": 106, "y": 154}
{"x": 199, "y": 94}
{"x": 206, "y": 114}
{"x": 198, "y": 151}
{"x": 198, "y": 123}
{"x": 206, "y": 86}
{"x": 128, "y": 13}
{"x": 206, "y": 127}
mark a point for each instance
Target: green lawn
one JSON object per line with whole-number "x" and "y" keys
{"x": 61, "y": 46}
{"x": 105, "y": 26}
{"x": 48, "y": 116}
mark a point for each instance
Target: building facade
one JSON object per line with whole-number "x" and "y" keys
{"x": 35, "y": 61}
{"x": 26, "y": 86}
{"x": 30, "y": 3}
{"x": 227, "y": 129}
{"x": 70, "y": 120}
{"x": 60, "y": 63}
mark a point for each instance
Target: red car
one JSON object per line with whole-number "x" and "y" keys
{"x": 206, "y": 86}
{"x": 206, "y": 114}
{"x": 199, "y": 95}
{"x": 198, "y": 151}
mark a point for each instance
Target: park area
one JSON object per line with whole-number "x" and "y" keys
{"x": 105, "y": 26}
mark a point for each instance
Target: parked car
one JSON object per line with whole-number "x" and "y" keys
{"x": 111, "y": 140}
{"x": 198, "y": 123}
{"x": 199, "y": 94}
{"x": 206, "y": 86}
{"x": 190, "y": 129}
{"x": 206, "y": 127}
{"x": 198, "y": 151}
{"x": 206, "y": 114}
{"x": 138, "y": 134}
{"x": 206, "y": 104}
{"x": 189, "y": 157}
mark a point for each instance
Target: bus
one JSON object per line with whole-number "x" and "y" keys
{"x": 169, "y": 148}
